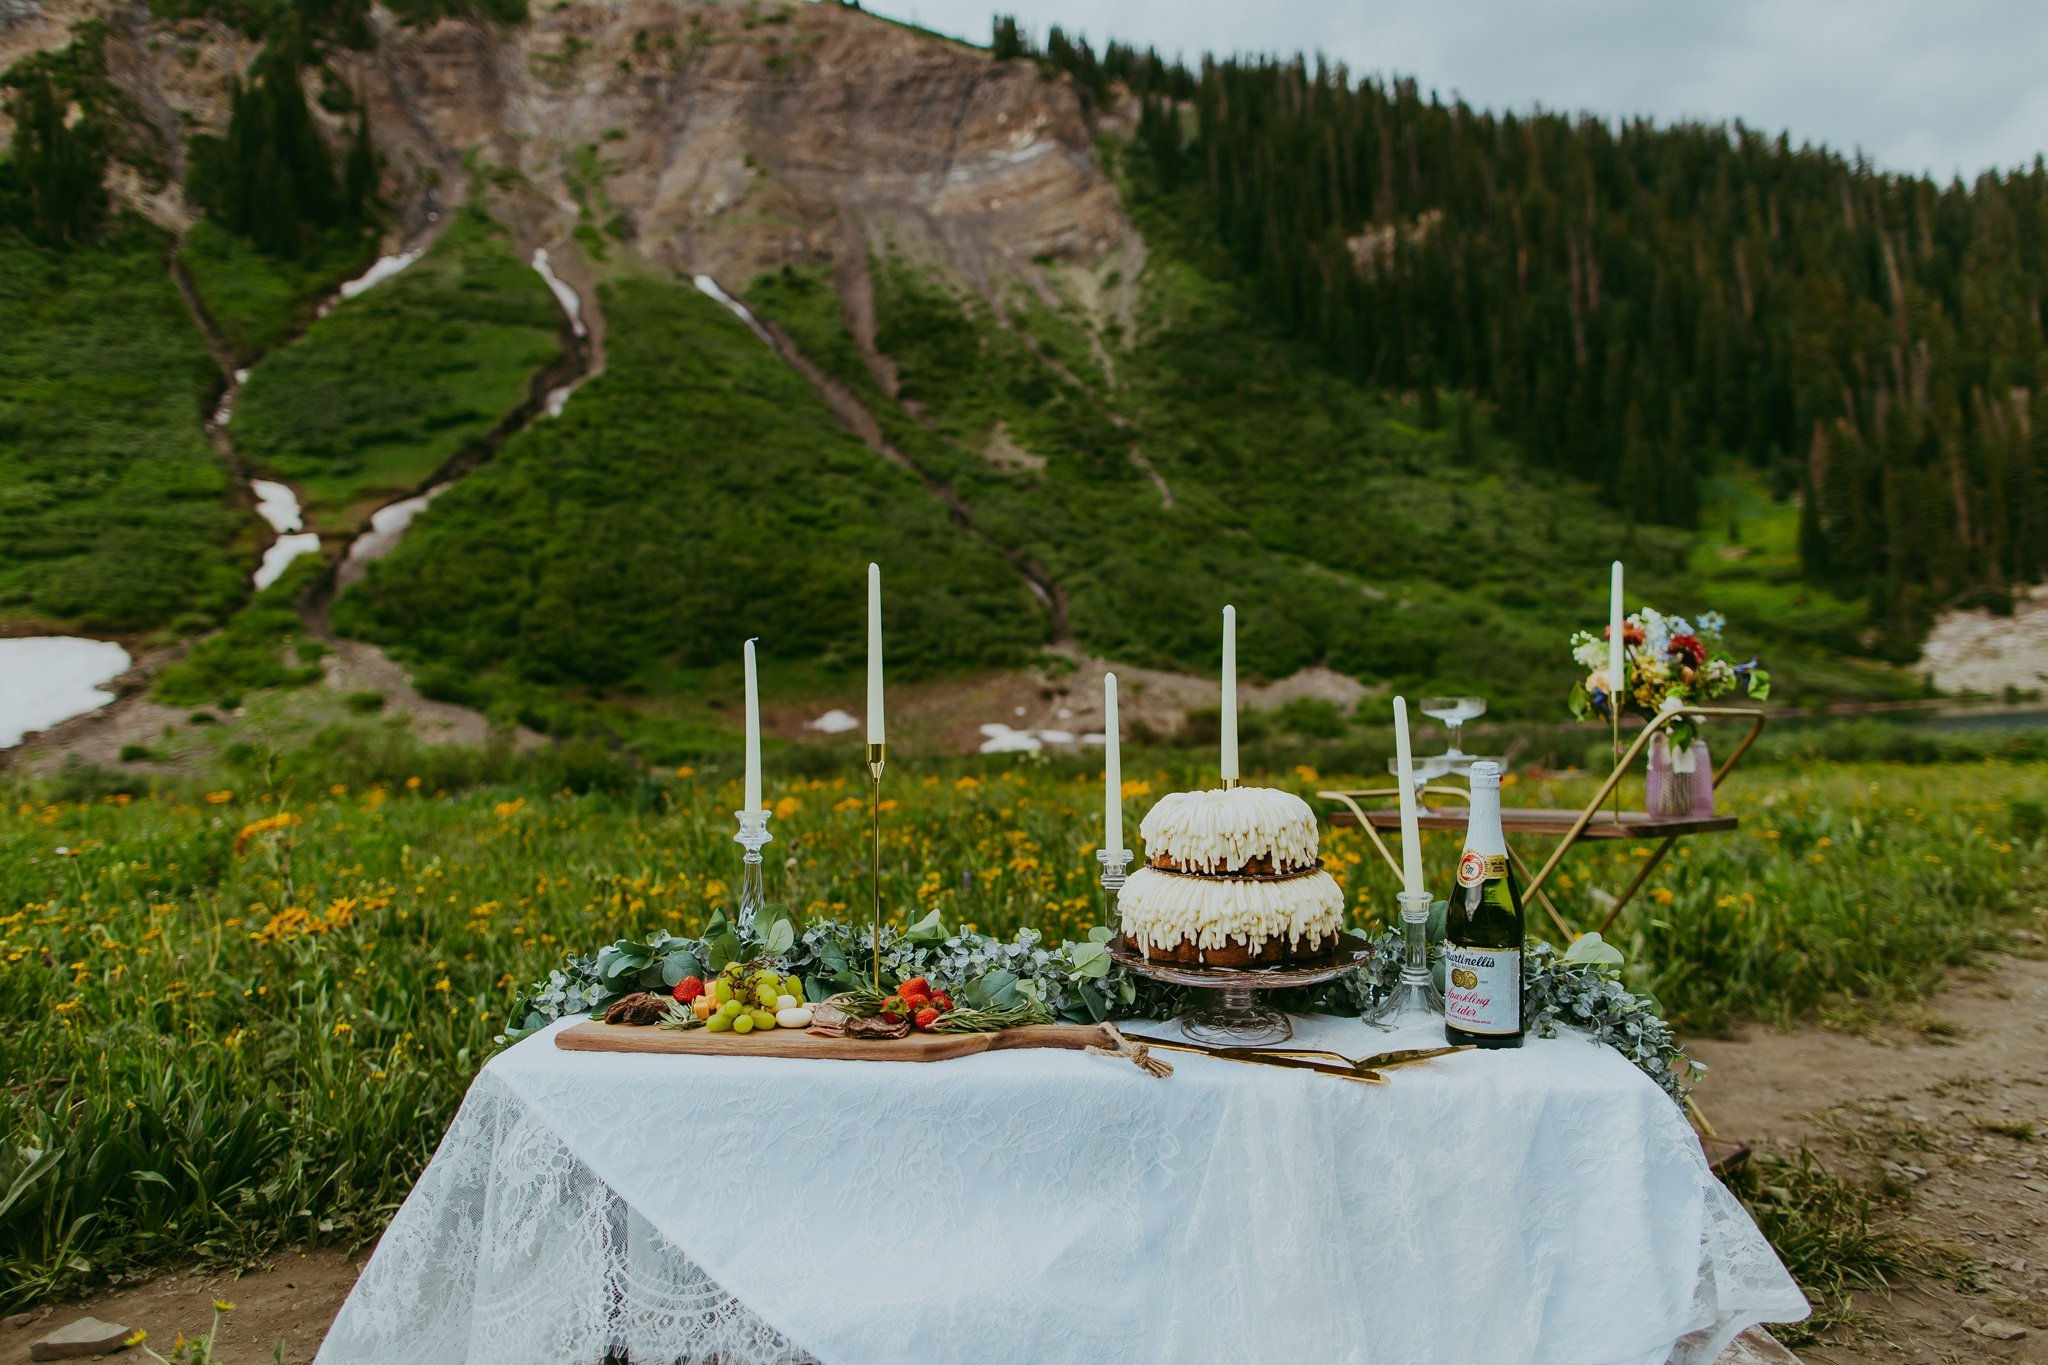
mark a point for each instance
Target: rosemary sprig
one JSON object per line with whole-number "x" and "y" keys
{"x": 992, "y": 1017}
{"x": 679, "y": 1015}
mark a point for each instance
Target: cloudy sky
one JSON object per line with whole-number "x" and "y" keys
{"x": 1941, "y": 86}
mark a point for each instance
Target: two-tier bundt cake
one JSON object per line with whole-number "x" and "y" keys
{"x": 1231, "y": 879}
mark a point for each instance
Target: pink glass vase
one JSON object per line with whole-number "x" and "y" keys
{"x": 1681, "y": 783}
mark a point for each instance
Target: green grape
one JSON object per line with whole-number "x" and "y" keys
{"x": 721, "y": 992}
{"x": 795, "y": 987}
{"x": 718, "y": 1023}
{"x": 743, "y": 1024}
{"x": 763, "y": 1019}
{"x": 731, "y": 1009}
{"x": 767, "y": 995}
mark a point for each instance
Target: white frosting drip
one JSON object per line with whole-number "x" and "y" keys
{"x": 1221, "y": 831}
{"x": 1160, "y": 909}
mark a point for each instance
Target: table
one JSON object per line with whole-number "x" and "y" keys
{"x": 1546, "y": 1205}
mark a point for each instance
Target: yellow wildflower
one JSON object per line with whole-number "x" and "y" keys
{"x": 267, "y": 825}
{"x": 220, "y": 798}
{"x": 787, "y": 806}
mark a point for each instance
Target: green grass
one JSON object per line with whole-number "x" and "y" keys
{"x": 276, "y": 1024}
{"x": 1837, "y": 1235}
{"x": 114, "y": 510}
{"x": 257, "y": 301}
{"x": 696, "y": 493}
{"x": 395, "y": 382}
{"x": 247, "y": 654}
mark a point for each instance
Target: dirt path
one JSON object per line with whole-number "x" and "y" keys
{"x": 291, "y": 1301}
{"x": 1957, "y": 1111}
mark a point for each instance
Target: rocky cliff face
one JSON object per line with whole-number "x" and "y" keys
{"x": 721, "y": 139}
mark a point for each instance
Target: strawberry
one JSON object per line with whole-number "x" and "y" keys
{"x": 689, "y": 988}
{"x": 943, "y": 1001}
{"x": 917, "y": 988}
{"x": 926, "y": 1017}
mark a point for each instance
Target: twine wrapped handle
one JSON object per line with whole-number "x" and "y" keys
{"x": 1136, "y": 1053}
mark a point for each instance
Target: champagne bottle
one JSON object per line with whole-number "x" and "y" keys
{"x": 1483, "y": 929}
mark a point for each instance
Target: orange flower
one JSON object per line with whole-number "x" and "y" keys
{"x": 269, "y": 824}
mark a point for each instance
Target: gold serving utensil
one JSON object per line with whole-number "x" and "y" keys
{"x": 1255, "y": 1057}
{"x": 1379, "y": 1061}
{"x": 1387, "y": 1061}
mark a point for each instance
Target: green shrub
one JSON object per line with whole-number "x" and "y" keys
{"x": 114, "y": 509}
{"x": 247, "y": 653}
{"x": 393, "y": 383}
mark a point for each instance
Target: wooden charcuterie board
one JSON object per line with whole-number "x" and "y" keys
{"x": 918, "y": 1047}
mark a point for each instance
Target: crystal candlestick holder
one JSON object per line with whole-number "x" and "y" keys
{"x": 1414, "y": 997}
{"x": 752, "y": 837}
{"x": 1114, "y": 861}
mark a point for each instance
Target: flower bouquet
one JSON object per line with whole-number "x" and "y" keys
{"x": 1668, "y": 663}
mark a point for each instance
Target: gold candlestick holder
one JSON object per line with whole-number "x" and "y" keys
{"x": 1614, "y": 719}
{"x": 877, "y": 757}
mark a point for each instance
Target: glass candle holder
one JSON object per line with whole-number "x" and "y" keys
{"x": 753, "y": 836}
{"x": 1414, "y": 997}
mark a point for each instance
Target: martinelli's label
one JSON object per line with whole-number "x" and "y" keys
{"x": 1483, "y": 988}
{"x": 1476, "y": 867}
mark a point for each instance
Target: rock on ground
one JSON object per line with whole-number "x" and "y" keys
{"x": 79, "y": 1338}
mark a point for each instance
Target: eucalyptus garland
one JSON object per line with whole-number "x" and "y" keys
{"x": 1078, "y": 981}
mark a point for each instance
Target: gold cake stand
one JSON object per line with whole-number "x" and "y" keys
{"x": 1232, "y": 1015}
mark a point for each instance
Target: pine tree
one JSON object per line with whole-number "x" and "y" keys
{"x": 60, "y": 165}
{"x": 1008, "y": 41}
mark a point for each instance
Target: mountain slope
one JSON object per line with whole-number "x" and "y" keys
{"x": 1005, "y": 364}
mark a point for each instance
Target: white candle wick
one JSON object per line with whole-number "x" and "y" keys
{"x": 1230, "y": 694}
{"x": 753, "y": 797}
{"x": 1112, "y": 772}
{"x": 1617, "y": 626}
{"x": 875, "y": 728}
{"x": 1411, "y": 831}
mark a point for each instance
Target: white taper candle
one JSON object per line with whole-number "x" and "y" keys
{"x": 1411, "y": 832}
{"x": 1617, "y": 622}
{"x": 1112, "y": 772}
{"x": 1230, "y": 694}
{"x": 753, "y": 800}
{"x": 875, "y": 734}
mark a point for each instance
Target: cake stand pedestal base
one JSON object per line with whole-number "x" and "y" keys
{"x": 1233, "y": 1017}
{"x": 1228, "y": 1012}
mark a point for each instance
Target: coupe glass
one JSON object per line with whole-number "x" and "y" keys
{"x": 1428, "y": 768}
{"x": 1454, "y": 712}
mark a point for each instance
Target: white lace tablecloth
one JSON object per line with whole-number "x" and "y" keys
{"x": 1546, "y": 1205}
